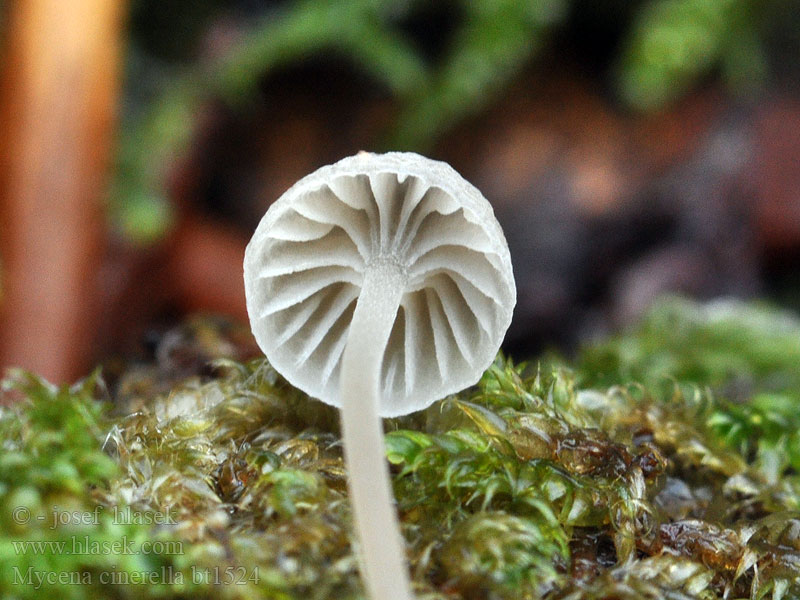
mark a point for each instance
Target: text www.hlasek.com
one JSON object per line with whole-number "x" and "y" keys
{"x": 77, "y": 545}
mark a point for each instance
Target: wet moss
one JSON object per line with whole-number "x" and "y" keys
{"x": 659, "y": 464}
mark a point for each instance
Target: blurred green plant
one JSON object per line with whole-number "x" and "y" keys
{"x": 494, "y": 40}
{"x": 667, "y": 48}
{"x": 674, "y": 43}
{"x": 736, "y": 348}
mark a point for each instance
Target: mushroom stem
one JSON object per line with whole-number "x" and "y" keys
{"x": 382, "y": 549}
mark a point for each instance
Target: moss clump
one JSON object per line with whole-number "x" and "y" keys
{"x": 59, "y": 536}
{"x": 663, "y": 465}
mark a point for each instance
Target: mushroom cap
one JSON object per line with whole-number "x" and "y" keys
{"x": 304, "y": 267}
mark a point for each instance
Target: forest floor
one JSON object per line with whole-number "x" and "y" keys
{"x": 660, "y": 463}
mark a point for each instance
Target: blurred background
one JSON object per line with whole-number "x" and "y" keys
{"x": 631, "y": 148}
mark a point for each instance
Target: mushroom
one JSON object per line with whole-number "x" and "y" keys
{"x": 379, "y": 284}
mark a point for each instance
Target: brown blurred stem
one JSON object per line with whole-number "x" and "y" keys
{"x": 204, "y": 267}
{"x": 59, "y": 97}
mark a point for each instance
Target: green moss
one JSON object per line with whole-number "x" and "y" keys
{"x": 662, "y": 464}
{"x": 56, "y": 524}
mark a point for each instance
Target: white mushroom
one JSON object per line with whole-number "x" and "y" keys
{"x": 379, "y": 284}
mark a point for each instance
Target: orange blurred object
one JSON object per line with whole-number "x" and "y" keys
{"x": 59, "y": 98}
